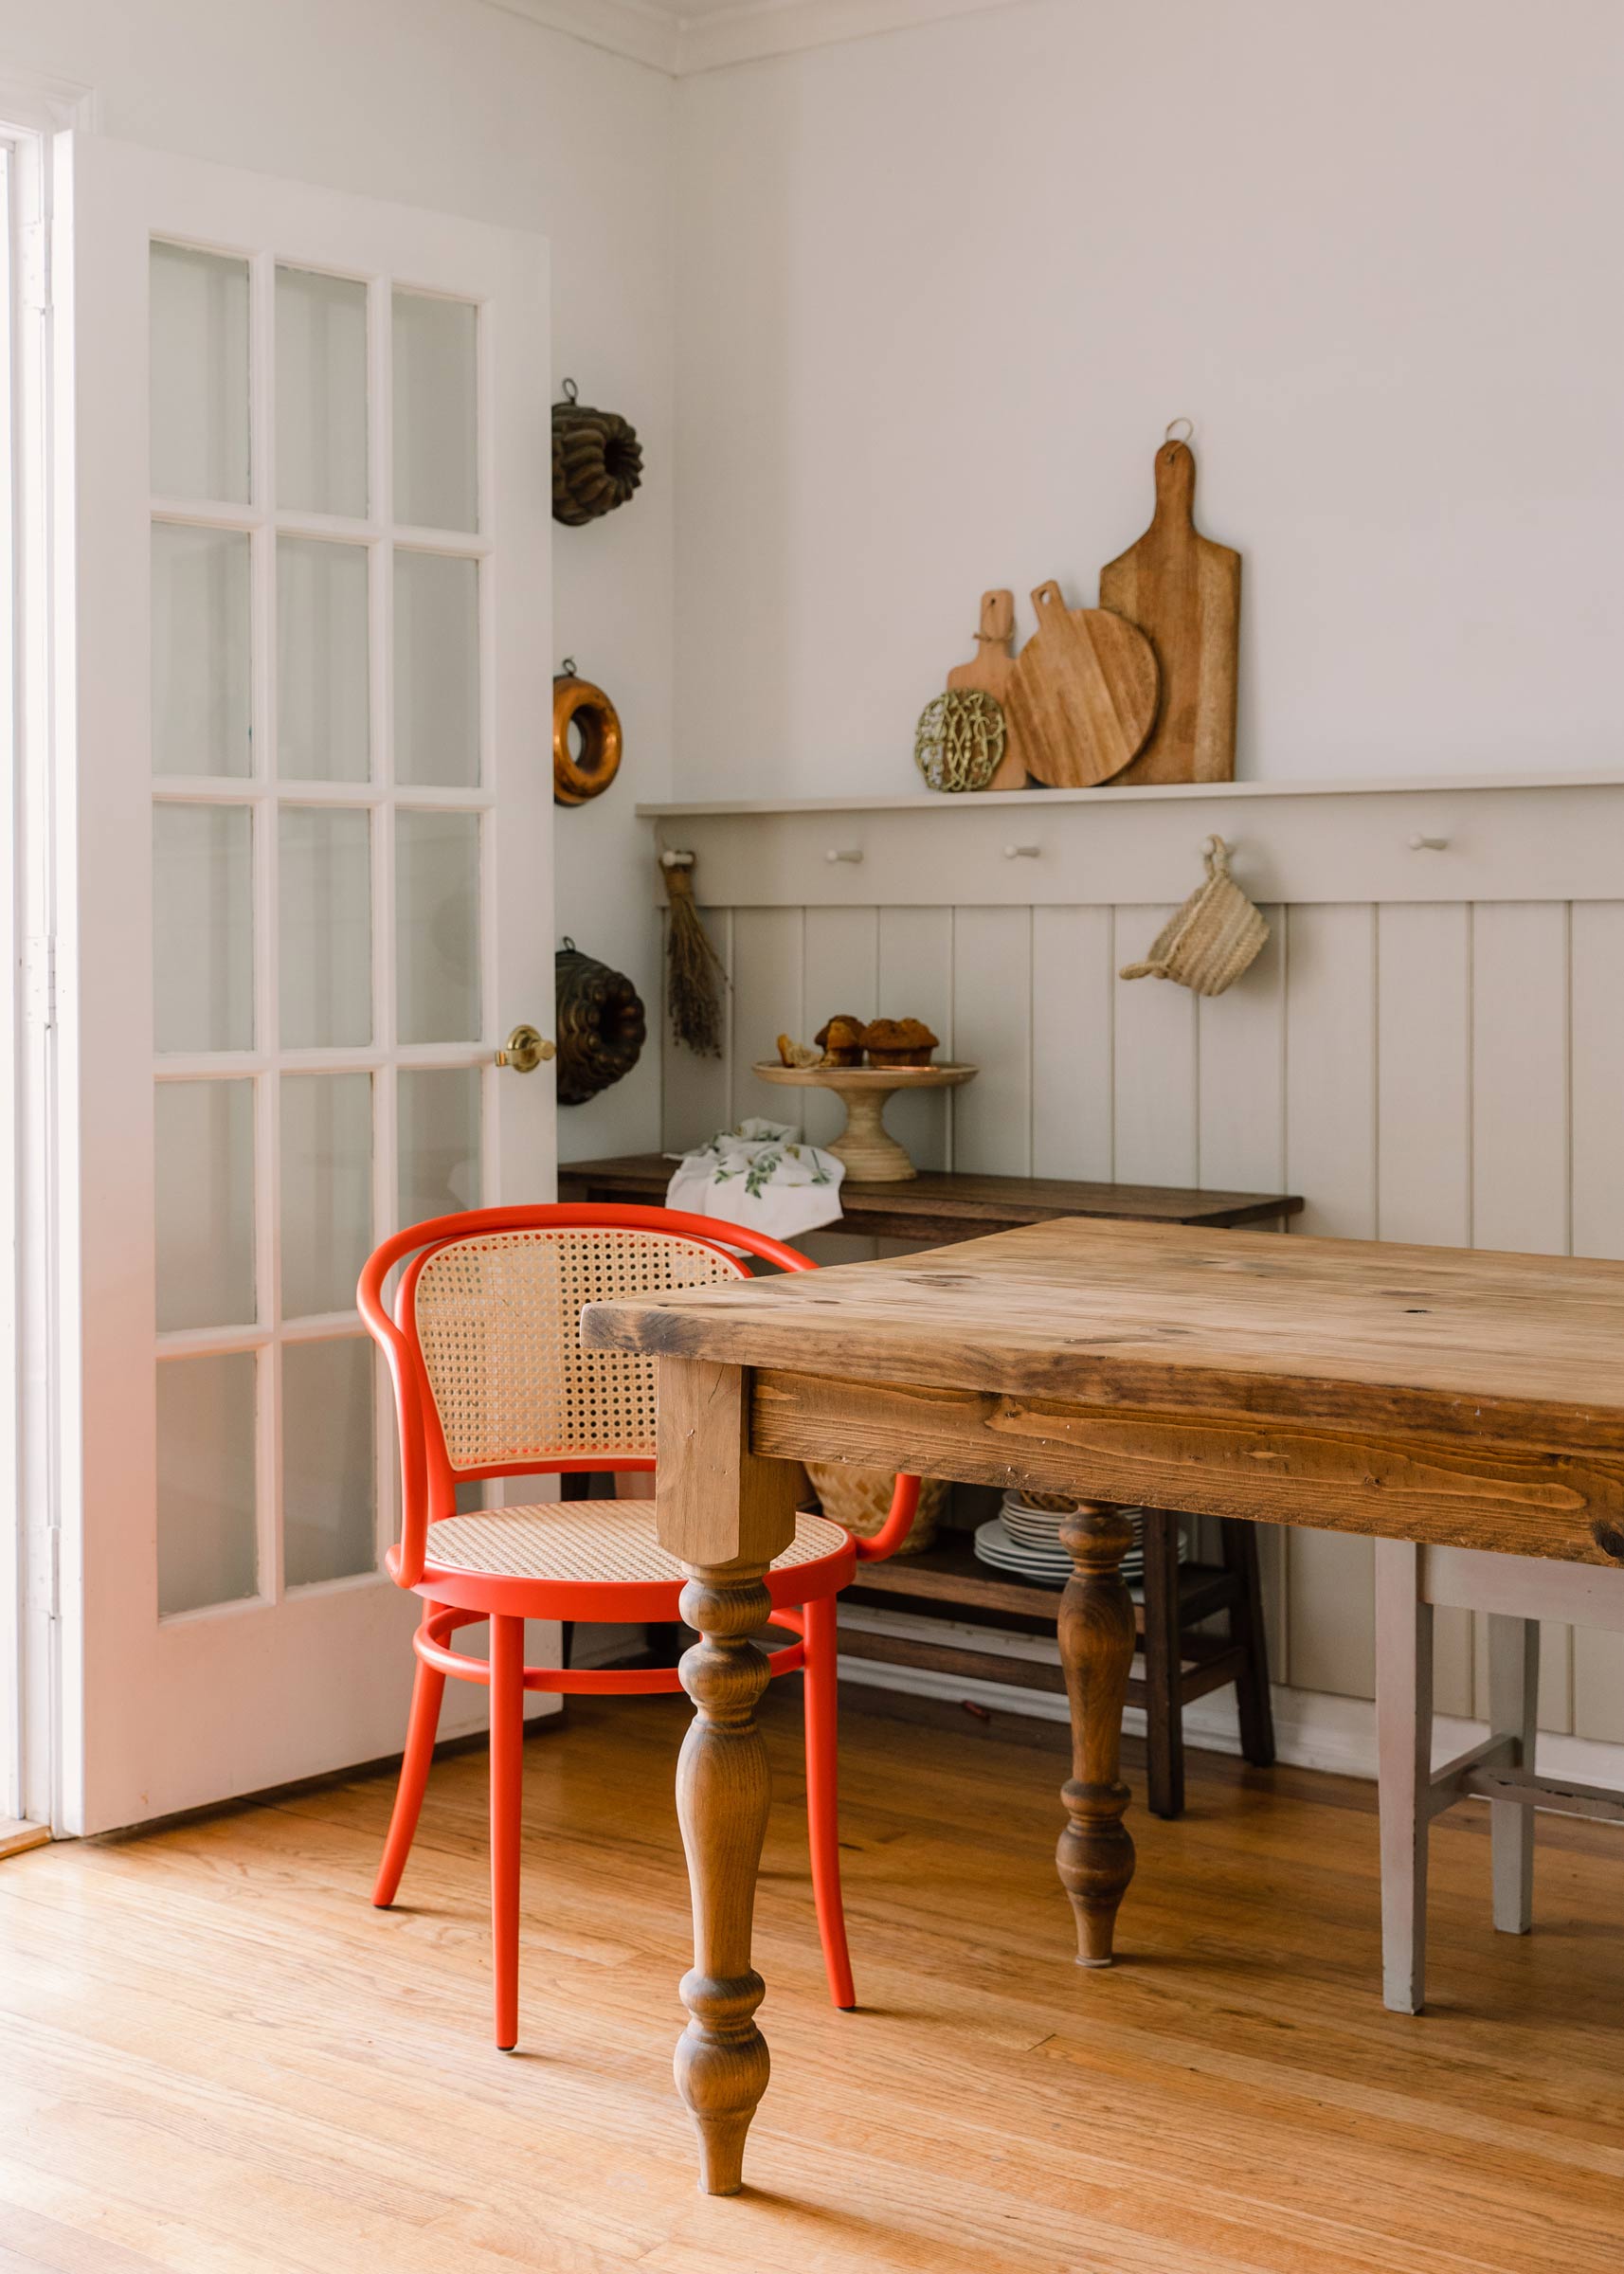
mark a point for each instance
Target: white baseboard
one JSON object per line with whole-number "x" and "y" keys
{"x": 1312, "y": 1729}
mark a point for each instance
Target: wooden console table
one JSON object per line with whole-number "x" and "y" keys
{"x": 1431, "y": 1393}
{"x": 937, "y": 1206}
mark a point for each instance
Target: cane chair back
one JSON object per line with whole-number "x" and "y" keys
{"x": 497, "y": 1319}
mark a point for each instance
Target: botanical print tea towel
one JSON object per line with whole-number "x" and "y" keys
{"x": 763, "y": 1175}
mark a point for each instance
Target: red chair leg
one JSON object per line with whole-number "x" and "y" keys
{"x": 426, "y": 1692}
{"x": 507, "y": 1782}
{"x": 822, "y": 1796}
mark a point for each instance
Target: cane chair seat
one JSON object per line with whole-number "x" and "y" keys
{"x": 590, "y": 1542}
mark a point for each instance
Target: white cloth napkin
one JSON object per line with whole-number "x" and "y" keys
{"x": 761, "y": 1174}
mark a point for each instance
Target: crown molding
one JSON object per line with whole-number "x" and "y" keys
{"x": 628, "y": 28}
{"x": 751, "y": 29}
{"x": 756, "y": 29}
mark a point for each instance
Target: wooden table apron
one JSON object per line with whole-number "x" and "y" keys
{"x": 1227, "y": 1373}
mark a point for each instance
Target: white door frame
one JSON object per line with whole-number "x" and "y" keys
{"x": 33, "y": 108}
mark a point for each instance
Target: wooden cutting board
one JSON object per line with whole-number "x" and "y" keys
{"x": 1082, "y": 695}
{"x": 990, "y": 672}
{"x": 1184, "y": 592}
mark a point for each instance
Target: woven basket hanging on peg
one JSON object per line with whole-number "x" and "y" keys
{"x": 1213, "y": 938}
{"x": 694, "y": 973}
{"x": 960, "y": 739}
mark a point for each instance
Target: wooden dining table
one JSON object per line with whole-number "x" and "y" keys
{"x": 1432, "y": 1393}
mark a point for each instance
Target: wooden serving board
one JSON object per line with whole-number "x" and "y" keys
{"x": 990, "y": 672}
{"x": 1184, "y": 591}
{"x": 1082, "y": 695}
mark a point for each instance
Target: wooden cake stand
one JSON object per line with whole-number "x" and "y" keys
{"x": 871, "y": 1155}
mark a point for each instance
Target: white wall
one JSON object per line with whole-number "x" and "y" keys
{"x": 941, "y": 290}
{"x": 456, "y": 105}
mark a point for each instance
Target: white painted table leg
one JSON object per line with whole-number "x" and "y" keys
{"x": 1513, "y": 1712}
{"x": 1405, "y": 1749}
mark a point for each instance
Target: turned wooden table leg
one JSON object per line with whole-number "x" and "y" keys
{"x": 1095, "y": 1854}
{"x": 724, "y": 1513}
{"x": 722, "y": 1797}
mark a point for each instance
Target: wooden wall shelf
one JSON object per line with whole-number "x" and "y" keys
{"x": 1011, "y": 801}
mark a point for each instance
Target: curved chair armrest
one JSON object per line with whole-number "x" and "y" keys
{"x": 895, "y": 1530}
{"x": 403, "y": 1364}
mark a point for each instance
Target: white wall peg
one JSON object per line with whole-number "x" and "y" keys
{"x": 853, "y": 855}
{"x": 676, "y": 860}
{"x": 1021, "y": 852}
{"x": 1428, "y": 844}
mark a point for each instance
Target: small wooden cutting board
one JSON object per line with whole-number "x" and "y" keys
{"x": 1185, "y": 592}
{"x": 1082, "y": 695}
{"x": 990, "y": 672}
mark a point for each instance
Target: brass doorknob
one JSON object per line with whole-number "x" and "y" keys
{"x": 525, "y": 1049}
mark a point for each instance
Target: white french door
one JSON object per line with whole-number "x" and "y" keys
{"x": 312, "y": 879}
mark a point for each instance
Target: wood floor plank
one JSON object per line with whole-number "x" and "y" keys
{"x": 219, "y": 2056}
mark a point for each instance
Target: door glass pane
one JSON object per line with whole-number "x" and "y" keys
{"x": 199, "y": 372}
{"x": 322, "y": 393}
{"x": 205, "y": 1203}
{"x": 328, "y": 1493}
{"x": 202, "y": 720}
{"x": 203, "y": 927}
{"x": 437, "y": 1112}
{"x": 206, "y": 1548}
{"x": 436, "y": 925}
{"x": 327, "y": 1190}
{"x": 436, "y": 373}
{"x": 322, "y": 703}
{"x": 437, "y": 670}
{"x": 326, "y": 942}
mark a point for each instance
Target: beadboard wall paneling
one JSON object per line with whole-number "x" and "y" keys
{"x": 1596, "y": 971}
{"x": 1073, "y": 1028}
{"x": 916, "y": 966}
{"x": 1154, "y": 1057}
{"x": 992, "y": 1029}
{"x": 1441, "y": 1070}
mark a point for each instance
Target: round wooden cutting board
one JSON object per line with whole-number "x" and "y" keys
{"x": 1082, "y": 695}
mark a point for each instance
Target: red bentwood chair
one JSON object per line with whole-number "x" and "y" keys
{"x": 491, "y": 1380}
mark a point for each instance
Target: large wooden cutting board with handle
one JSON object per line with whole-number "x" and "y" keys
{"x": 1082, "y": 695}
{"x": 991, "y": 671}
{"x": 1185, "y": 592}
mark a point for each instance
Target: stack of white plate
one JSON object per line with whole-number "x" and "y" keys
{"x": 1025, "y": 1542}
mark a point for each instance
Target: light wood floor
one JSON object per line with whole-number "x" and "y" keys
{"x": 216, "y": 2055}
